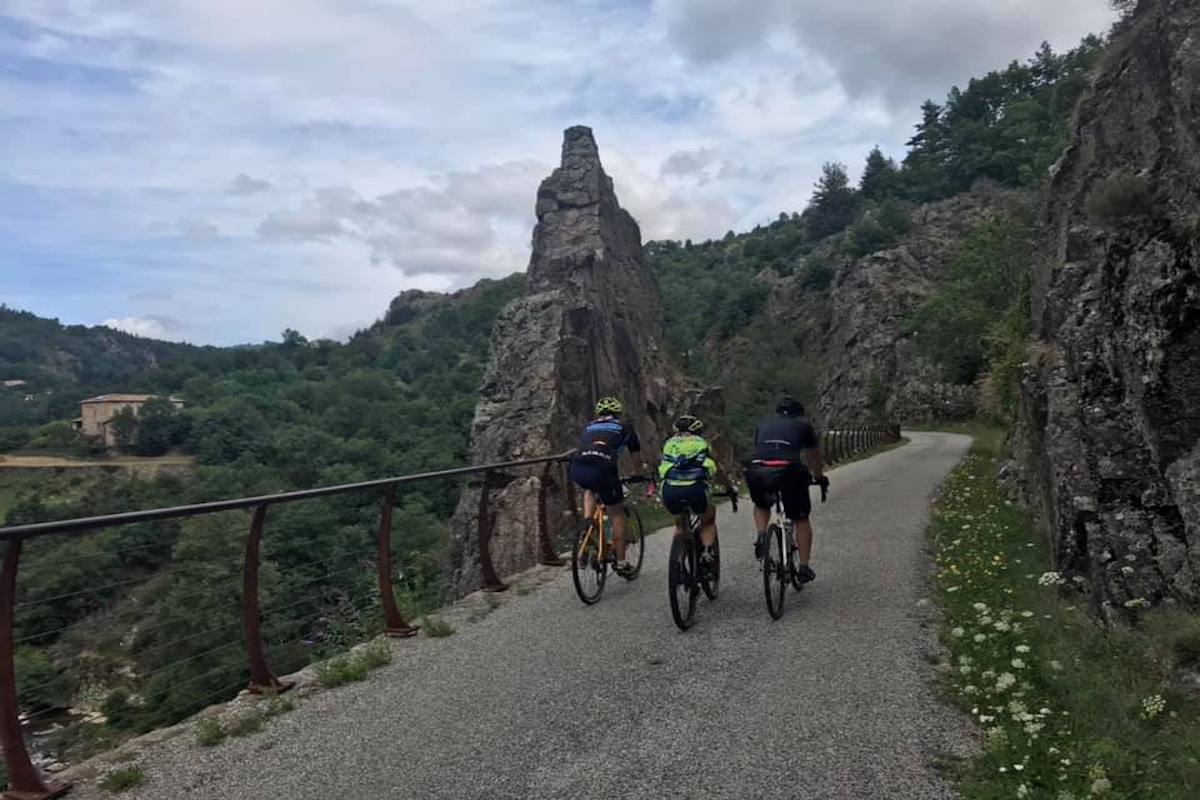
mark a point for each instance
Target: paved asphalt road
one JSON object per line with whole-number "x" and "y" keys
{"x": 547, "y": 698}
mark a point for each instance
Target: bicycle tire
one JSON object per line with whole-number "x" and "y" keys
{"x": 774, "y": 570}
{"x": 681, "y": 585}
{"x": 712, "y": 582}
{"x": 586, "y": 568}
{"x": 634, "y": 534}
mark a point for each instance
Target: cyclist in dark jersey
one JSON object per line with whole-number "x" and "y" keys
{"x": 594, "y": 468}
{"x": 787, "y": 459}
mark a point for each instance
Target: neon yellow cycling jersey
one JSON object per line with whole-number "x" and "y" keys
{"x": 685, "y": 460}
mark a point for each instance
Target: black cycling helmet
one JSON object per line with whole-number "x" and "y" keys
{"x": 689, "y": 424}
{"x": 790, "y": 407}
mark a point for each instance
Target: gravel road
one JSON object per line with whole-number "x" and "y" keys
{"x": 547, "y": 698}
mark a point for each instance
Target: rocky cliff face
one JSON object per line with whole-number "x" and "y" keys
{"x": 1110, "y": 436}
{"x": 590, "y": 325}
{"x": 873, "y": 368}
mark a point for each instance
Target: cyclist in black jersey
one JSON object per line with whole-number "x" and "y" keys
{"x": 594, "y": 468}
{"x": 787, "y": 459}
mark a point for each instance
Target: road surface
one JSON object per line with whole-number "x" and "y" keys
{"x": 547, "y": 698}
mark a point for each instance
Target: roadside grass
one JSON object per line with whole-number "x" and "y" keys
{"x": 211, "y": 732}
{"x": 123, "y": 779}
{"x": 883, "y": 448}
{"x": 354, "y": 666}
{"x": 437, "y": 627}
{"x": 1071, "y": 709}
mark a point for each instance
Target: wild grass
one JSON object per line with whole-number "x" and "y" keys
{"x": 1070, "y": 708}
{"x": 437, "y": 627}
{"x": 354, "y": 666}
{"x": 123, "y": 779}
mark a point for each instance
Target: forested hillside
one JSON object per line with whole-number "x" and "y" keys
{"x": 752, "y": 311}
{"x": 755, "y": 312}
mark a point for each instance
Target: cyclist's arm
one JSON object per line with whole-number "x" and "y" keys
{"x": 816, "y": 465}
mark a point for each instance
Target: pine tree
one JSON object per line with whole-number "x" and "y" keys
{"x": 880, "y": 177}
{"x": 834, "y": 203}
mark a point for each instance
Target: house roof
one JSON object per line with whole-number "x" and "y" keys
{"x": 124, "y": 398}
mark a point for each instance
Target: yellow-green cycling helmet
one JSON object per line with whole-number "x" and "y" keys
{"x": 608, "y": 405}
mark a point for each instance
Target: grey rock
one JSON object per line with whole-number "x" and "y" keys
{"x": 590, "y": 325}
{"x": 1110, "y": 396}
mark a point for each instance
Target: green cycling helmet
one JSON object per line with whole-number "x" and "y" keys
{"x": 689, "y": 424}
{"x": 608, "y": 405}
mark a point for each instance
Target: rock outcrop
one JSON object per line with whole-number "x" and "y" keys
{"x": 1109, "y": 444}
{"x": 589, "y": 325}
{"x": 873, "y": 367}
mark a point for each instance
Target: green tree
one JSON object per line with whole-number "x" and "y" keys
{"x": 160, "y": 427}
{"x": 834, "y": 203}
{"x": 124, "y": 425}
{"x": 880, "y": 177}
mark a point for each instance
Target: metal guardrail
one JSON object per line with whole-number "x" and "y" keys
{"x": 26, "y": 782}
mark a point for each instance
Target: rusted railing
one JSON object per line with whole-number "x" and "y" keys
{"x": 838, "y": 443}
{"x": 25, "y": 782}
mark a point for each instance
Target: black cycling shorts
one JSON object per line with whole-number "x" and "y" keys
{"x": 770, "y": 484}
{"x": 678, "y": 499}
{"x": 599, "y": 477}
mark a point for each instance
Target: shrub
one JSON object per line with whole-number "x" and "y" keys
{"x": 816, "y": 276}
{"x": 437, "y": 628}
{"x": 376, "y": 654}
{"x": 117, "y": 709}
{"x": 123, "y": 779}
{"x": 341, "y": 669}
{"x": 1118, "y": 199}
{"x": 209, "y": 732}
{"x": 39, "y": 684}
{"x": 14, "y": 438}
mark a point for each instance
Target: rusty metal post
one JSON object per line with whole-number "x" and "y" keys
{"x": 397, "y": 626}
{"x": 572, "y": 498}
{"x": 24, "y": 781}
{"x": 549, "y": 556}
{"x": 487, "y": 570}
{"x": 262, "y": 681}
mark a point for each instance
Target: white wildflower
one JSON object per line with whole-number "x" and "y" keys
{"x": 957, "y": 633}
{"x": 1022, "y": 648}
{"x": 1005, "y": 681}
{"x": 1050, "y": 579}
{"x": 1018, "y": 663}
{"x": 1152, "y": 706}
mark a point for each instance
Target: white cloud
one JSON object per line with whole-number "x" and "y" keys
{"x": 146, "y": 327}
{"x": 378, "y": 146}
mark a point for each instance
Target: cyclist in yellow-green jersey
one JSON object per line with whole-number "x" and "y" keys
{"x": 685, "y": 473}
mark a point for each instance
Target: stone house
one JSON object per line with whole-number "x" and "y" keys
{"x": 96, "y": 413}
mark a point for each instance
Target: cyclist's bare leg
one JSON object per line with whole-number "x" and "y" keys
{"x": 708, "y": 531}
{"x": 617, "y": 515}
{"x": 680, "y": 524}
{"x": 762, "y": 518}
{"x": 589, "y": 504}
{"x": 804, "y": 537}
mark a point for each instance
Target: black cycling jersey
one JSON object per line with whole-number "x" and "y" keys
{"x": 604, "y": 439}
{"x": 781, "y": 438}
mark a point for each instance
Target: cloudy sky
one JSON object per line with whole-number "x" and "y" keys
{"x": 216, "y": 170}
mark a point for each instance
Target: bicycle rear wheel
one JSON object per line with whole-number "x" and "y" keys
{"x": 775, "y": 572}
{"x": 635, "y": 545}
{"x": 681, "y": 581}
{"x": 710, "y": 581}
{"x": 587, "y": 570}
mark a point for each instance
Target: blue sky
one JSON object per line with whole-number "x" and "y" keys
{"x": 217, "y": 170}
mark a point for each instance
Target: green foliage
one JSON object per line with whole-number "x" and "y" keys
{"x": 123, "y": 779}
{"x": 160, "y": 426}
{"x": 879, "y": 228}
{"x": 817, "y": 275}
{"x": 1086, "y": 709}
{"x": 880, "y": 177}
{"x": 437, "y": 627}
{"x": 1118, "y": 199}
{"x": 354, "y": 666}
{"x": 209, "y": 732}
{"x": 119, "y": 712}
{"x": 976, "y": 315}
{"x": 124, "y": 425}
{"x": 39, "y": 683}
{"x": 14, "y": 438}
{"x": 834, "y": 203}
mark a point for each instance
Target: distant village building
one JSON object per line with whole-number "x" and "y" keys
{"x": 14, "y": 384}
{"x": 96, "y": 414}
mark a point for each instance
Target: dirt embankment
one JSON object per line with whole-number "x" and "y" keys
{"x": 141, "y": 466}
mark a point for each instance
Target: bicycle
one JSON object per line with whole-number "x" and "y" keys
{"x": 593, "y": 552}
{"x": 685, "y": 578}
{"x": 778, "y": 569}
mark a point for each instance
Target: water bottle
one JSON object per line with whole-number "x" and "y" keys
{"x": 608, "y": 529}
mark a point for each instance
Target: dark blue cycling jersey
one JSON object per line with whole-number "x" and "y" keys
{"x": 605, "y": 438}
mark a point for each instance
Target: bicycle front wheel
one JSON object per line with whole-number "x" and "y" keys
{"x": 587, "y": 570}
{"x": 775, "y": 572}
{"x": 635, "y": 542}
{"x": 681, "y": 581}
